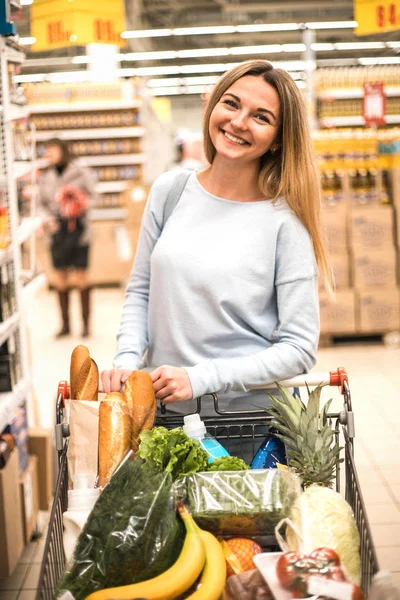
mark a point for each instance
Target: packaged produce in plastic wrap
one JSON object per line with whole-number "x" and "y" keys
{"x": 132, "y": 534}
{"x": 320, "y": 518}
{"x": 240, "y": 502}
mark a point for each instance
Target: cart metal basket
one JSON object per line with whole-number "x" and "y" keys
{"x": 238, "y": 428}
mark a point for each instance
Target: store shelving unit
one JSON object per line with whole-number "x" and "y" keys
{"x": 10, "y": 258}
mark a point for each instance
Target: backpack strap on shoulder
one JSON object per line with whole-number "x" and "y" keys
{"x": 174, "y": 194}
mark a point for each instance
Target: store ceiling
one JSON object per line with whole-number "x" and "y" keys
{"x": 156, "y": 14}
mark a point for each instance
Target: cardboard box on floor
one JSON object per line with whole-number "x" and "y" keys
{"x": 335, "y": 224}
{"x": 340, "y": 263}
{"x": 371, "y": 228}
{"x": 375, "y": 268}
{"x": 40, "y": 445}
{"x": 29, "y": 492}
{"x": 11, "y": 530}
{"x": 378, "y": 310}
{"x": 337, "y": 314}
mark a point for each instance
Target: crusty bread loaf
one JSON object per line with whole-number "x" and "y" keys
{"x": 115, "y": 396}
{"x": 139, "y": 394}
{"x": 115, "y": 428}
{"x": 87, "y": 386}
{"x": 78, "y": 357}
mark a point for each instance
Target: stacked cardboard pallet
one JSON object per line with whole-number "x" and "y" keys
{"x": 361, "y": 215}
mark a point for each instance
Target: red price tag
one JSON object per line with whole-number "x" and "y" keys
{"x": 374, "y": 104}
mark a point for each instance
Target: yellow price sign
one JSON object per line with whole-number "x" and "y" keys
{"x": 375, "y": 16}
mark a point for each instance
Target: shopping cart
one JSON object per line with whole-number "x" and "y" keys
{"x": 231, "y": 428}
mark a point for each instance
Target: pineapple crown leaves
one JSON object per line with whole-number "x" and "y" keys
{"x": 306, "y": 433}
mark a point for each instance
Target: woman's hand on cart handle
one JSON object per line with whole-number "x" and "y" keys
{"x": 112, "y": 380}
{"x": 171, "y": 384}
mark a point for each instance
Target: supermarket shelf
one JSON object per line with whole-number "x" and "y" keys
{"x": 91, "y": 134}
{"x": 84, "y": 106}
{"x": 111, "y": 159}
{"x": 9, "y": 401}
{"x": 356, "y": 92}
{"x": 104, "y": 187}
{"x": 27, "y": 228}
{"x": 18, "y": 112}
{"x": 32, "y": 287}
{"x": 108, "y": 214}
{"x": 353, "y": 121}
{"x": 24, "y": 167}
{"x": 6, "y": 255}
{"x": 8, "y": 327}
{"x": 14, "y": 55}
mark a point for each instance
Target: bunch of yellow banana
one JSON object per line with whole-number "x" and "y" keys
{"x": 201, "y": 553}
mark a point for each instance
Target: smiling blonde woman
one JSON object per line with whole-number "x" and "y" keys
{"x": 223, "y": 297}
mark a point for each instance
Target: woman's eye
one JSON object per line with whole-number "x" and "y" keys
{"x": 263, "y": 118}
{"x": 230, "y": 103}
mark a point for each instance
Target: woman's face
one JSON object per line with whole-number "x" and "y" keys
{"x": 245, "y": 121}
{"x": 53, "y": 154}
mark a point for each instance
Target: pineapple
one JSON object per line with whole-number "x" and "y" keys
{"x": 308, "y": 437}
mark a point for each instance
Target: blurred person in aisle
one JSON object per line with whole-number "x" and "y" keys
{"x": 66, "y": 191}
{"x": 223, "y": 296}
{"x": 189, "y": 152}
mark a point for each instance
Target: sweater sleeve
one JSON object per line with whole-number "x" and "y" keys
{"x": 294, "y": 351}
{"x": 132, "y": 338}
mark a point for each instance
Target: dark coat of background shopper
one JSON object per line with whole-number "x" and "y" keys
{"x": 66, "y": 191}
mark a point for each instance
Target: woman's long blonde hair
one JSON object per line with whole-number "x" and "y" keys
{"x": 291, "y": 171}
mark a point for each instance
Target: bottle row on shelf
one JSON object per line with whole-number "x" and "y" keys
{"x": 360, "y": 187}
{"x": 109, "y": 201}
{"x": 353, "y": 107}
{"x": 116, "y": 173}
{"x": 86, "y": 120}
{"x": 96, "y": 147}
{"x": 351, "y": 77}
{"x": 50, "y": 93}
{"x": 10, "y": 363}
{"x": 7, "y": 291}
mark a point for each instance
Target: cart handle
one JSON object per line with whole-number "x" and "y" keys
{"x": 335, "y": 378}
{"x": 63, "y": 391}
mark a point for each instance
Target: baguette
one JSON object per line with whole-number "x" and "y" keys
{"x": 116, "y": 396}
{"x": 78, "y": 357}
{"x": 115, "y": 426}
{"x": 87, "y": 387}
{"x": 139, "y": 394}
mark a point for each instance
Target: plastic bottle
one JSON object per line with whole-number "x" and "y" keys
{"x": 80, "y": 503}
{"x": 271, "y": 453}
{"x": 195, "y": 428}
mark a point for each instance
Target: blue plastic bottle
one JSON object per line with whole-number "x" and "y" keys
{"x": 196, "y": 429}
{"x": 271, "y": 452}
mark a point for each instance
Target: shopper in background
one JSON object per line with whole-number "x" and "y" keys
{"x": 230, "y": 301}
{"x": 66, "y": 191}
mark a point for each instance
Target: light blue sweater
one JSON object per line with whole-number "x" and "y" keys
{"x": 228, "y": 291}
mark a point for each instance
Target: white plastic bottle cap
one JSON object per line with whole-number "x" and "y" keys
{"x": 82, "y": 499}
{"x": 193, "y": 426}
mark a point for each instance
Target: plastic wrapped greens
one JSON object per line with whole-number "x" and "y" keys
{"x": 125, "y": 540}
{"x": 240, "y": 502}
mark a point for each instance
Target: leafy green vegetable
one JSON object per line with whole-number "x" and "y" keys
{"x": 241, "y": 502}
{"x": 132, "y": 534}
{"x": 228, "y": 463}
{"x": 172, "y": 451}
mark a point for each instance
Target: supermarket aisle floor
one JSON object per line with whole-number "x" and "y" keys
{"x": 375, "y": 383}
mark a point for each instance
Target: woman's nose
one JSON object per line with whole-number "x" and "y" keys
{"x": 239, "y": 121}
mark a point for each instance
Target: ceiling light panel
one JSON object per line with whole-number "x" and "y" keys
{"x": 201, "y": 52}
{"x": 204, "y": 30}
{"x": 268, "y": 49}
{"x": 146, "y": 33}
{"x": 267, "y": 27}
{"x": 331, "y": 24}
